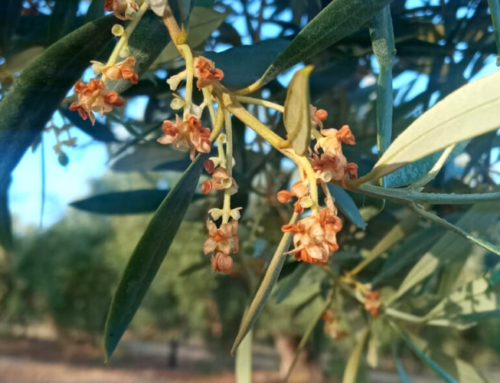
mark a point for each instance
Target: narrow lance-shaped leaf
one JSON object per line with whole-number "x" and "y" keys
{"x": 243, "y": 362}
{"x": 474, "y": 299}
{"x": 347, "y": 206}
{"x": 265, "y": 288}
{"x": 443, "y": 374}
{"x": 479, "y": 218}
{"x": 495, "y": 18}
{"x": 451, "y": 370}
{"x": 43, "y": 85}
{"x": 351, "y": 369}
{"x": 338, "y": 19}
{"x": 297, "y": 115}
{"x": 468, "y": 112}
{"x": 399, "y": 366}
{"x": 126, "y": 202}
{"x": 149, "y": 254}
{"x": 382, "y": 36}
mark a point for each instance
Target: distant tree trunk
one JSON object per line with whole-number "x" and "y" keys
{"x": 173, "y": 361}
{"x": 306, "y": 369}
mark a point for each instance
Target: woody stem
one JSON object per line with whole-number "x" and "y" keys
{"x": 226, "y": 209}
{"x": 124, "y": 38}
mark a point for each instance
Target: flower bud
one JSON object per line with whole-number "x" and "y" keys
{"x": 117, "y": 30}
{"x": 177, "y": 103}
{"x": 222, "y": 262}
{"x": 209, "y": 166}
{"x": 206, "y": 187}
{"x": 321, "y": 114}
{"x": 284, "y": 196}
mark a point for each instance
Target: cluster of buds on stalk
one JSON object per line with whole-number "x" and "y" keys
{"x": 315, "y": 236}
{"x": 95, "y": 97}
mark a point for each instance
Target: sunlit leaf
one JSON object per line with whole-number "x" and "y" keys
{"x": 265, "y": 288}
{"x": 338, "y": 19}
{"x": 148, "y": 255}
{"x": 351, "y": 369}
{"x": 468, "y": 112}
{"x": 475, "y": 297}
{"x": 243, "y": 368}
{"x": 127, "y": 202}
{"x": 347, "y": 206}
{"x": 478, "y": 218}
{"x": 297, "y": 115}
{"x": 202, "y": 23}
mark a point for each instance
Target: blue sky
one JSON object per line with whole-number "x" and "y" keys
{"x": 66, "y": 184}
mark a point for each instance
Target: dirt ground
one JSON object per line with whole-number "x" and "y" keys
{"x": 47, "y": 361}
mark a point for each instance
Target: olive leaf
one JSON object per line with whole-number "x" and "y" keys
{"x": 472, "y": 300}
{"x": 399, "y": 366}
{"x": 297, "y": 115}
{"x": 382, "y": 37}
{"x": 468, "y": 112}
{"x": 243, "y": 365}
{"x": 126, "y": 202}
{"x": 351, "y": 369}
{"x": 347, "y": 206}
{"x": 495, "y": 18}
{"x": 451, "y": 370}
{"x": 338, "y": 19}
{"x": 265, "y": 288}
{"x": 478, "y": 218}
{"x": 38, "y": 92}
{"x": 149, "y": 254}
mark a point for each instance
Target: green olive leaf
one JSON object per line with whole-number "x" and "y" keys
{"x": 125, "y": 202}
{"x": 265, "y": 288}
{"x": 297, "y": 115}
{"x": 338, "y": 19}
{"x": 149, "y": 254}
{"x": 468, "y": 112}
{"x": 478, "y": 218}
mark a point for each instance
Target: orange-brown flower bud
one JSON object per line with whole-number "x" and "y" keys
{"x": 209, "y": 166}
{"x": 284, "y": 196}
{"x": 345, "y": 135}
{"x": 206, "y": 187}
{"x": 372, "y": 303}
{"x": 222, "y": 263}
{"x": 321, "y": 114}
